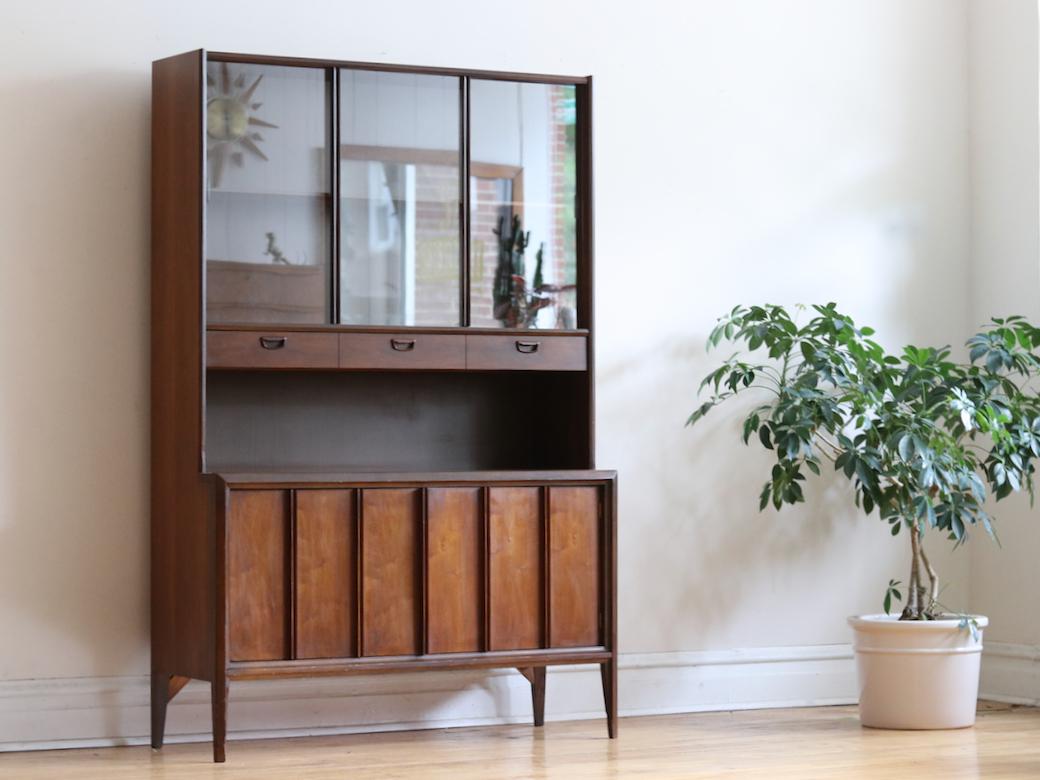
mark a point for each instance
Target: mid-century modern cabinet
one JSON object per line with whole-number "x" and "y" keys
{"x": 372, "y": 376}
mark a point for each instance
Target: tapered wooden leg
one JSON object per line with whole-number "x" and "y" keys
{"x": 219, "y": 691}
{"x": 538, "y": 694}
{"x": 160, "y": 698}
{"x": 536, "y": 676}
{"x": 608, "y": 671}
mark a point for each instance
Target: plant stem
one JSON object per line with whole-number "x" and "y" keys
{"x": 933, "y": 578}
{"x": 912, "y": 611}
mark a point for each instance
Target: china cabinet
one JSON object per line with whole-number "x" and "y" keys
{"x": 372, "y": 376}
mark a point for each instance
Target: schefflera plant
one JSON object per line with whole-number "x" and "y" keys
{"x": 923, "y": 438}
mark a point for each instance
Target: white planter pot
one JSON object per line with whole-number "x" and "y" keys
{"x": 916, "y": 674}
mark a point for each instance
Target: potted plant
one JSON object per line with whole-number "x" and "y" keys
{"x": 924, "y": 439}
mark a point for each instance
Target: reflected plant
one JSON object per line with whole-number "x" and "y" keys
{"x": 923, "y": 439}
{"x": 516, "y": 305}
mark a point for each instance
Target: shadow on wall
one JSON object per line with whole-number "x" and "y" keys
{"x": 74, "y": 403}
{"x": 692, "y": 537}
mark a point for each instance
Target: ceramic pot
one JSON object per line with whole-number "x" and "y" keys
{"x": 916, "y": 674}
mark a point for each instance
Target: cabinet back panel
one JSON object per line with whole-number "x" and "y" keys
{"x": 264, "y": 421}
{"x": 326, "y": 577}
{"x": 454, "y": 570}
{"x": 258, "y": 575}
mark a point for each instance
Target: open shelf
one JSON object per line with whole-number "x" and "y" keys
{"x": 395, "y": 421}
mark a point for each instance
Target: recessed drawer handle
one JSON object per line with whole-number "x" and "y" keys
{"x": 527, "y": 347}
{"x": 272, "y": 342}
{"x": 403, "y": 345}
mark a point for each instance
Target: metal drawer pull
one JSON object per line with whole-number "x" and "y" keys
{"x": 272, "y": 342}
{"x": 403, "y": 345}
{"x": 527, "y": 347}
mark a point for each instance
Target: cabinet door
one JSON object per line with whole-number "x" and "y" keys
{"x": 575, "y": 564}
{"x": 258, "y": 575}
{"x": 326, "y": 578}
{"x": 400, "y": 186}
{"x": 516, "y": 574}
{"x": 389, "y": 565}
{"x": 268, "y": 224}
{"x": 523, "y": 204}
{"x": 454, "y": 570}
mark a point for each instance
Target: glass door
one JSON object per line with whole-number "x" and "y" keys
{"x": 399, "y": 183}
{"x": 268, "y": 235}
{"x": 522, "y": 204}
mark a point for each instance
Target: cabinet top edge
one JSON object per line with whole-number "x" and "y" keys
{"x": 430, "y": 70}
{"x": 363, "y": 478}
{"x": 271, "y": 327}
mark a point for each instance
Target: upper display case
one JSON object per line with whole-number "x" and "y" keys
{"x": 357, "y": 196}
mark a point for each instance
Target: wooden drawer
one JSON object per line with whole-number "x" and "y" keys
{"x": 525, "y": 353}
{"x": 402, "y": 351}
{"x": 263, "y": 349}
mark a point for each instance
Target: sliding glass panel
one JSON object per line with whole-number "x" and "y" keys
{"x": 399, "y": 199}
{"x": 269, "y": 196}
{"x": 523, "y": 227}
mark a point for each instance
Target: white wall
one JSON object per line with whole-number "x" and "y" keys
{"x": 780, "y": 150}
{"x": 1005, "y": 245}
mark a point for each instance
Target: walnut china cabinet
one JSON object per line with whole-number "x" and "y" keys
{"x": 372, "y": 376}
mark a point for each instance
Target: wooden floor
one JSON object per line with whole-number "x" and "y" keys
{"x": 825, "y": 742}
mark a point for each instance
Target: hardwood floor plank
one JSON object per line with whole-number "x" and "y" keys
{"x": 800, "y": 744}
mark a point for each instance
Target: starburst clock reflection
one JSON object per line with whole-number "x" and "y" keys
{"x": 230, "y": 121}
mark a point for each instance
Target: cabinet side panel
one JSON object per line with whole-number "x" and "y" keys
{"x": 183, "y": 503}
{"x": 454, "y": 570}
{"x": 515, "y": 576}
{"x": 575, "y": 553}
{"x": 325, "y": 574}
{"x": 258, "y": 575}
{"x": 389, "y": 564}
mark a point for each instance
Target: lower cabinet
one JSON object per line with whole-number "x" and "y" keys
{"x": 406, "y": 570}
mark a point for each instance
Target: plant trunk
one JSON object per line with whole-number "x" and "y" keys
{"x": 933, "y": 580}
{"x": 920, "y": 601}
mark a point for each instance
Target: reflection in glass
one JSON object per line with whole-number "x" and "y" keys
{"x": 267, "y": 224}
{"x": 523, "y": 185}
{"x": 399, "y": 199}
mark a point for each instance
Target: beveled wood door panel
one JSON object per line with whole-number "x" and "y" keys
{"x": 389, "y": 563}
{"x": 326, "y": 577}
{"x": 258, "y": 575}
{"x": 515, "y": 576}
{"x": 574, "y": 567}
{"x": 454, "y": 570}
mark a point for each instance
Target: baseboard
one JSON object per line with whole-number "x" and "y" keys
{"x": 1010, "y": 673}
{"x": 95, "y": 712}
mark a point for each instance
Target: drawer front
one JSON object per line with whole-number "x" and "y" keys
{"x": 402, "y": 351}
{"x": 262, "y": 349}
{"x": 525, "y": 353}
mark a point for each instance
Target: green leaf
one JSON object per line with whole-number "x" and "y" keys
{"x": 763, "y": 435}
